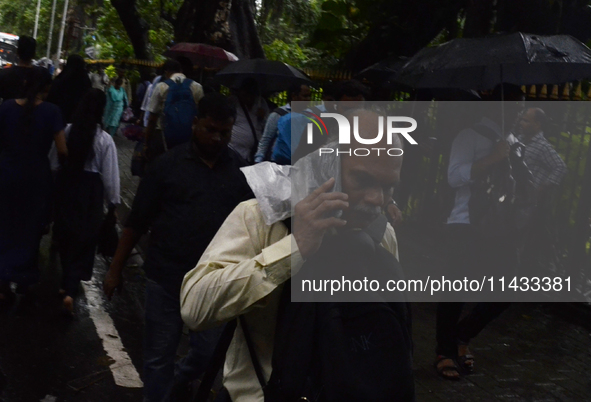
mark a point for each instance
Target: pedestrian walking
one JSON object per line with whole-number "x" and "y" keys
{"x": 474, "y": 155}
{"x": 172, "y": 107}
{"x": 250, "y": 121}
{"x": 297, "y": 93}
{"x": 244, "y": 278}
{"x": 97, "y": 78}
{"x": 88, "y": 179}
{"x": 12, "y": 80}
{"x": 117, "y": 102}
{"x": 70, "y": 86}
{"x": 183, "y": 199}
{"x": 28, "y": 126}
{"x": 125, "y": 84}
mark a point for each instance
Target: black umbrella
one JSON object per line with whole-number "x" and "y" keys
{"x": 383, "y": 71}
{"x": 272, "y": 76}
{"x": 483, "y": 63}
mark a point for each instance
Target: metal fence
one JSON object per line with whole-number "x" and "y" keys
{"x": 427, "y": 198}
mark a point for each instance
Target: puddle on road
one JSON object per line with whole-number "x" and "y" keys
{"x": 105, "y": 361}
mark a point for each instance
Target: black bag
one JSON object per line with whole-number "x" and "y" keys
{"x": 108, "y": 236}
{"x": 138, "y": 160}
{"x": 357, "y": 351}
{"x": 503, "y": 200}
{"x": 329, "y": 352}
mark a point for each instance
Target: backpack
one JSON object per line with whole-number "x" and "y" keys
{"x": 329, "y": 351}
{"x": 179, "y": 111}
{"x": 503, "y": 200}
{"x": 292, "y": 130}
{"x": 269, "y": 153}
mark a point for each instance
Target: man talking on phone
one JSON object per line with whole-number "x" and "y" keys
{"x": 244, "y": 269}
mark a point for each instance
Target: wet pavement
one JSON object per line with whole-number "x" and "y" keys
{"x": 533, "y": 352}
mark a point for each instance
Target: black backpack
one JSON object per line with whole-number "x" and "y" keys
{"x": 328, "y": 351}
{"x": 502, "y": 201}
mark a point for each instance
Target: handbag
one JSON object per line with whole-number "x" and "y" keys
{"x": 108, "y": 236}
{"x": 133, "y": 132}
{"x": 127, "y": 115}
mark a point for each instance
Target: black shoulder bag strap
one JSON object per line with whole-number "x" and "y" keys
{"x": 252, "y": 129}
{"x": 216, "y": 363}
{"x": 253, "y": 356}
{"x": 280, "y": 111}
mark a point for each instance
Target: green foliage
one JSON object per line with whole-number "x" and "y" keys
{"x": 18, "y": 17}
{"x": 286, "y": 38}
{"x": 111, "y": 72}
{"x": 341, "y": 26}
{"x": 281, "y": 51}
{"x": 111, "y": 39}
{"x": 572, "y": 149}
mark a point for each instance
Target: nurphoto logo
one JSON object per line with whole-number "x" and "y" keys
{"x": 393, "y": 125}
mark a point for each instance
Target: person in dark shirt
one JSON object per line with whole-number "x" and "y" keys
{"x": 70, "y": 86}
{"x": 183, "y": 200}
{"x": 12, "y": 80}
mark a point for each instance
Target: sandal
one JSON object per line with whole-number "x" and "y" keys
{"x": 466, "y": 361}
{"x": 68, "y": 306}
{"x": 450, "y": 372}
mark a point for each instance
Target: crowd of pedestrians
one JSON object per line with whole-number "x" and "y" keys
{"x": 217, "y": 260}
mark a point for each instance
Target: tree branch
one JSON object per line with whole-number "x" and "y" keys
{"x": 166, "y": 16}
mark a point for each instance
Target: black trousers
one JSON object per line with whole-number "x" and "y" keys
{"x": 471, "y": 255}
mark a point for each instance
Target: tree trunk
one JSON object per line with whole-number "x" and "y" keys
{"x": 135, "y": 26}
{"x": 246, "y": 43}
{"x": 228, "y": 24}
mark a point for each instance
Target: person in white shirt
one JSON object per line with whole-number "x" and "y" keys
{"x": 298, "y": 93}
{"x": 88, "y": 178}
{"x": 252, "y": 112}
{"x": 145, "y": 115}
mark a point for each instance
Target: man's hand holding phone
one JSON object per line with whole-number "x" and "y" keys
{"x": 314, "y": 215}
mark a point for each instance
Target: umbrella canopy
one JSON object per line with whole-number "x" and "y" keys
{"x": 483, "y": 63}
{"x": 383, "y": 71}
{"x": 202, "y": 55}
{"x": 272, "y": 76}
